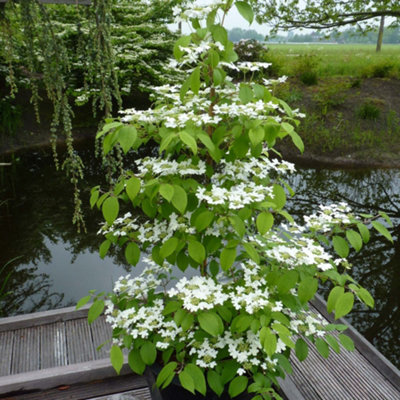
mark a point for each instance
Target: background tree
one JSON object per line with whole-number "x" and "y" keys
{"x": 329, "y": 14}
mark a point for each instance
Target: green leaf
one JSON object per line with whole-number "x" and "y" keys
{"x": 165, "y": 373}
{"x": 189, "y": 141}
{"x": 117, "y": 358}
{"x": 279, "y": 196}
{"x": 110, "y": 209}
{"x": 171, "y": 307}
{"x": 245, "y": 93}
{"x": 346, "y": 342}
{"x": 287, "y": 281}
{"x": 166, "y": 141}
{"x": 135, "y": 362}
{"x": 179, "y": 199}
{"x": 214, "y": 58}
{"x": 195, "y": 80}
{"x": 167, "y": 191}
{"x": 366, "y": 297}
{"x": 355, "y": 239}
{"x": 219, "y": 34}
{"x": 322, "y": 347}
{"x": 184, "y": 88}
{"x": 252, "y": 252}
{"x": 187, "y": 322}
{"x": 104, "y": 248}
{"x": 132, "y": 253}
{"x": 344, "y": 304}
{"x": 245, "y": 11}
{"x": 238, "y": 225}
{"x": 132, "y": 188}
{"x": 186, "y": 381}
{"x": 95, "y": 310}
{"x": 256, "y": 135}
{"x": 203, "y": 220}
{"x": 331, "y": 340}
{"x": 269, "y": 343}
{"x": 198, "y": 377}
{"x": 364, "y": 232}
{"x": 197, "y": 251}
{"x": 307, "y": 289}
{"x": 382, "y": 230}
{"x": 108, "y": 127}
{"x": 264, "y": 222}
{"x": 301, "y": 349}
{"x": 148, "y": 353}
{"x": 82, "y": 302}
{"x": 238, "y": 385}
{"x": 241, "y": 323}
{"x": 126, "y": 137}
{"x": 183, "y": 41}
{"x": 215, "y": 382}
{"x": 227, "y": 258}
{"x": 296, "y": 139}
{"x": 211, "y": 323}
{"x": 169, "y": 247}
{"x": 386, "y": 217}
{"x": 93, "y": 198}
{"x": 341, "y": 247}
{"x": 334, "y": 294}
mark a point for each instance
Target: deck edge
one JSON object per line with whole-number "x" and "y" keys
{"x": 367, "y": 350}
{"x": 66, "y": 375}
{"x": 42, "y": 317}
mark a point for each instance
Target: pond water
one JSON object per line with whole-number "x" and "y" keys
{"x": 51, "y": 265}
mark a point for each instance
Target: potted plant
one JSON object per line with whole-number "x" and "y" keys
{"x": 212, "y": 204}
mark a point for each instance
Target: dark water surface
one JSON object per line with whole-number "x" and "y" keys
{"x": 54, "y": 266}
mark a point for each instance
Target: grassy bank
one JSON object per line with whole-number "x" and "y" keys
{"x": 350, "y": 95}
{"x": 329, "y": 60}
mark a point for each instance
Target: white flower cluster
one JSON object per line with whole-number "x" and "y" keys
{"x": 299, "y": 251}
{"x": 195, "y": 11}
{"x": 204, "y": 294}
{"x": 196, "y": 109}
{"x": 121, "y": 226}
{"x": 329, "y": 216}
{"x": 253, "y": 295}
{"x": 162, "y": 167}
{"x": 235, "y": 197}
{"x": 198, "y": 293}
{"x": 245, "y": 170}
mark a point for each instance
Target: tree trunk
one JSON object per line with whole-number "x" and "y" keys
{"x": 380, "y": 34}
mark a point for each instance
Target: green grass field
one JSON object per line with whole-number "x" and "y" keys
{"x": 356, "y": 60}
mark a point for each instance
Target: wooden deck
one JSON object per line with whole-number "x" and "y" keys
{"x": 58, "y": 348}
{"x": 52, "y": 355}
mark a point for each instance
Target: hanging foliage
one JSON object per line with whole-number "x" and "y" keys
{"x": 86, "y": 53}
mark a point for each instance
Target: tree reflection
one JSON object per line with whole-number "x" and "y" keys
{"x": 377, "y": 265}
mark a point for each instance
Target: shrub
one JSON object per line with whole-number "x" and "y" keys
{"x": 306, "y": 69}
{"x": 369, "y": 110}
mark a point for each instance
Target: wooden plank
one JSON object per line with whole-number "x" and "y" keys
{"x": 25, "y": 353}
{"x": 66, "y": 375}
{"x": 289, "y": 388}
{"x": 79, "y": 341}
{"x": 137, "y": 394}
{"x": 6, "y": 346}
{"x": 370, "y": 353}
{"x": 41, "y": 318}
{"x": 101, "y": 333}
{"x": 53, "y": 346}
{"x": 106, "y": 388}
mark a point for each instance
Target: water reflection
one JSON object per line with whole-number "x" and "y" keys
{"x": 58, "y": 266}
{"x": 35, "y": 218}
{"x": 377, "y": 266}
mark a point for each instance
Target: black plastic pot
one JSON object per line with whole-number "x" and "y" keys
{"x": 176, "y": 392}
